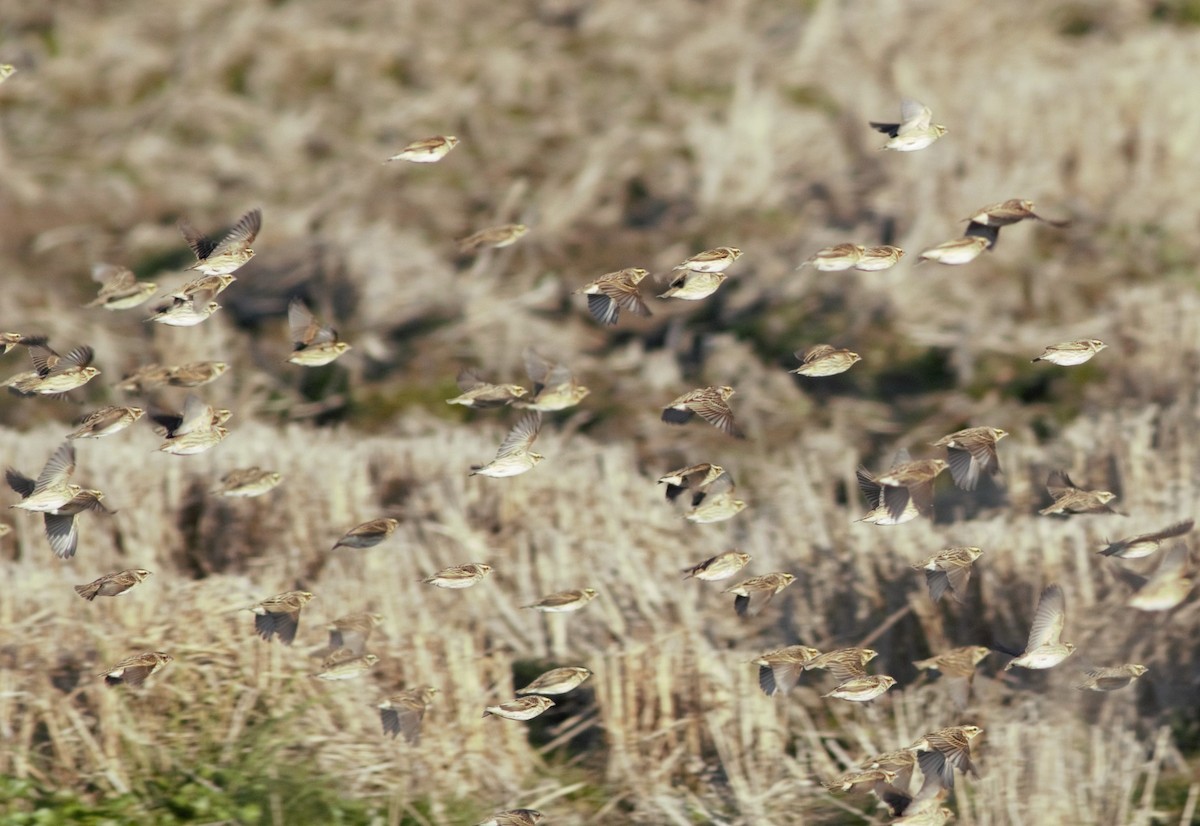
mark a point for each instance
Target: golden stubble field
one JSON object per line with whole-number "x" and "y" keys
{"x": 624, "y": 135}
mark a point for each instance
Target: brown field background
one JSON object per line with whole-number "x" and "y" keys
{"x": 623, "y": 134}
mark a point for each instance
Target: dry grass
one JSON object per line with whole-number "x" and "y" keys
{"x": 625, "y": 135}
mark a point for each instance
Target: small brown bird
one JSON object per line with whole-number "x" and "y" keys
{"x": 941, "y": 752}
{"x": 61, "y": 530}
{"x": 186, "y": 312}
{"x": 557, "y": 681}
{"x": 958, "y": 669}
{"x": 120, "y": 288}
{"x": 1045, "y": 648}
{"x": 949, "y": 570}
{"x": 368, "y": 534}
{"x": 352, "y": 631}
{"x": 958, "y": 251}
{"x": 523, "y": 708}
{"x": 105, "y": 422}
{"x": 1070, "y": 353}
{"x": 915, "y": 129}
{"x": 226, "y": 257}
{"x": 196, "y": 373}
{"x": 874, "y": 259}
{"x": 716, "y": 568}
{"x": 563, "y": 602}
{"x": 513, "y": 817}
{"x": 344, "y": 664}
{"x": 710, "y": 404}
{"x": 247, "y": 483}
{"x": 613, "y": 292}
{"x": 780, "y": 670}
{"x": 403, "y": 713}
{"x": 716, "y": 508}
{"x": 844, "y": 663}
{"x": 1009, "y": 212}
{"x": 873, "y": 491}
{"x": 836, "y": 258}
{"x": 493, "y": 237}
{"x": 515, "y": 454}
{"x": 280, "y": 615}
{"x": 910, "y": 482}
{"x": 194, "y": 430}
{"x": 1143, "y": 545}
{"x": 699, "y": 479}
{"x": 144, "y": 378}
{"x": 554, "y": 385}
{"x": 1068, "y": 498}
{"x": 1113, "y": 678}
{"x": 691, "y": 285}
{"x": 824, "y": 360}
{"x": 1166, "y": 587}
{"x": 853, "y": 781}
{"x": 862, "y": 689}
{"x": 901, "y": 762}
{"x": 972, "y": 452}
{"x": 53, "y": 488}
{"x": 134, "y": 671}
{"x": 481, "y": 394}
{"x": 313, "y": 344}
{"x": 752, "y": 595}
{"x": 112, "y": 585}
{"x": 53, "y": 374}
{"x": 426, "y": 150}
{"x": 714, "y": 260}
{"x": 209, "y": 286}
{"x": 457, "y": 577}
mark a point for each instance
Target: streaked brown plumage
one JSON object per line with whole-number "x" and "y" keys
{"x": 844, "y": 663}
{"x": 54, "y": 374}
{"x": 862, "y": 689}
{"x": 247, "y": 482}
{"x": 61, "y": 530}
{"x": 562, "y": 602}
{"x": 824, "y": 360}
{"x": 557, "y": 681}
{"x": 196, "y": 373}
{"x": 1071, "y": 353}
{"x": 1068, "y": 498}
{"x": 780, "y": 670}
{"x": 1009, "y": 212}
{"x": 716, "y": 568}
{"x": 836, "y": 258}
{"x": 457, "y": 577}
{"x": 957, "y": 251}
{"x": 1044, "y": 648}
{"x": 942, "y": 751}
{"x": 949, "y": 570}
{"x": 1143, "y": 545}
{"x": 613, "y": 292}
{"x": 554, "y": 385}
{"x": 344, "y": 664}
{"x": 873, "y": 491}
{"x": 523, "y": 708}
{"x": 368, "y": 534}
{"x": 426, "y": 150}
{"x": 714, "y": 260}
{"x": 313, "y": 344}
{"x": 972, "y": 452}
{"x": 515, "y": 454}
{"x": 133, "y": 671}
{"x": 910, "y": 482}
{"x": 874, "y": 259}
{"x": 1111, "y": 678}
{"x": 105, "y": 422}
{"x": 112, "y": 585}
{"x": 481, "y": 394}
{"x": 493, "y": 237}
{"x": 513, "y": 817}
{"x": 280, "y": 615}
{"x": 752, "y": 595}
{"x": 352, "y": 631}
{"x": 403, "y": 712}
{"x": 228, "y": 255}
{"x": 958, "y": 669}
{"x": 710, "y": 404}
{"x": 120, "y": 288}
{"x": 696, "y": 478}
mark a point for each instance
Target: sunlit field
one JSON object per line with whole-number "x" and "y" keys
{"x": 623, "y": 135}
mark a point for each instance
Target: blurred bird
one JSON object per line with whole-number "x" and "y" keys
{"x": 557, "y": 681}
{"x": 313, "y": 345}
{"x": 53, "y": 487}
{"x": 208, "y": 285}
{"x": 1166, "y": 587}
{"x": 873, "y": 491}
{"x": 426, "y": 150}
{"x": 112, "y": 585}
{"x": 344, "y": 664}
{"x": 1110, "y": 679}
{"x": 247, "y": 483}
{"x": 54, "y": 374}
{"x": 515, "y": 455}
{"x": 134, "y": 671}
{"x": 105, "y": 422}
{"x": 1143, "y": 545}
{"x": 403, "y": 712}
{"x": 120, "y": 289}
{"x": 874, "y": 259}
{"x": 231, "y": 253}
{"x": 836, "y": 258}
{"x": 9, "y": 340}
{"x": 712, "y": 261}
{"x": 958, "y": 251}
{"x": 493, "y": 237}
{"x": 554, "y": 385}
{"x": 692, "y": 285}
{"x": 368, "y": 534}
{"x": 862, "y": 689}
{"x": 844, "y": 663}
{"x": 613, "y": 292}
{"x": 1009, "y": 212}
{"x": 902, "y": 763}
{"x": 1068, "y": 498}
{"x": 352, "y": 631}
{"x": 958, "y": 668}
{"x": 914, "y": 131}
{"x": 1044, "y": 648}
{"x": 563, "y": 602}
{"x": 780, "y": 670}
{"x": 949, "y": 570}
{"x": 752, "y": 595}
{"x": 716, "y": 508}
{"x": 186, "y": 312}
{"x": 524, "y": 708}
{"x": 458, "y": 577}
{"x": 61, "y": 530}
{"x": 1070, "y": 353}
{"x": 824, "y": 360}
{"x": 851, "y": 781}
{"x": 280, "y": 615}
{"x": 513, "y": 817}
{"x": 196, "y": 429}
{"x": 7, "y": 70}
{"x": 910, "y": 482}
{"x": 145, "y": 378}
{"x": 972, "y": 452}
{"x": 696, "y": 478}
{"x": 710, "y": 404}
{"x": 941, "y": 752}
{"x": 480, "y": 394}
{"x": 716, "y": 568}
{"x": 196, "y": 373}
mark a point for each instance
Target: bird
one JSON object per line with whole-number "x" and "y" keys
{"x": 368, "y": 534}
{"x": 194, "y": 430}
{"x": 61, "y": 530}
{"x": 280, "y": 615}
{"x": 557, "y": 681}
{"x": 402, "y": 713}
{"x": 958, "y": 668}
{"x": 426, "y": 150}
{"x": 196, "y": 373}
{"x": 781, "y": 669}
{"x": 53, "y": 487}
{"x": 344, "y": 664}
{"x": 862, "y": 689}
{"x": 613, "y": 292}
{"x": 914, "y": 131}
{"x": 711, "y": 261}
{"x": 1165, "y": 588}
{"x": 901, "y": 763}
{"x": 910, "y": 482}
{"x": 112, "y": 585}
{"x": 755, "y": 592}
{"x": 694, "y": 285}
{"x": 843, "y": 663}
{"x": 874, "y": 259}
{"x": 208, "y": 285}
{"x": 7, "y": 70}
{"x": 457, "y": 577}
{"x": 1070, "y": 353}
{"x": 852, "y": 781}
{"x": 186, "y": 312}
{"x": 941, "y": 752}
{"x": 716, "y": 568}
{"x": 105, "y": 422}
{"x": 824, "y": 360}
{"x": 717, "y": 508}
{"x": 53, "y": 374}
{"x": 972, "y": 452}
{"x": 480, "y": 394}
{"x": 523, "y": 708}
{"x": 144, "y": 378}
{"x": 247, "y": 482}
{"x": 231, "y": 253}
{"x": 949, "y": 570}
{"x": 313, "y": 344}
{"x": 563, "y": 602}
{"x": 515, "y": 455}
{"x": 120, "y": 289}
{"x": 710, "y": 404}
{"x": 957, "y": 251}
{"x": 352, "y": 631}
{"x": 513, "y": 817}
{"x": 493, "y": 237}
{"x": 1111, "y": 678}
{"x": 1069, "y": 498}
{"x": 1143, "y": 545}
{"x": 699, "y": 479}
{"x": 554, "y": 385}
{"x": 1009, "y": 212}
{"x": 133, "y": 671}
{"x": 873, "y": 491}
{"x": 1045, "y": 648}
{"x": 836, "y": 258}
{"x": 10, "y": 340}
